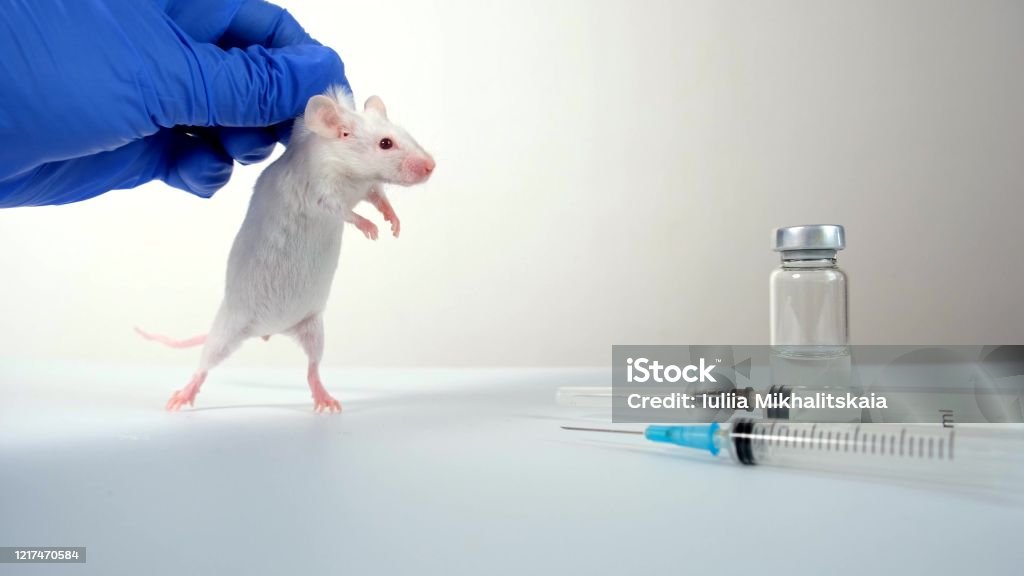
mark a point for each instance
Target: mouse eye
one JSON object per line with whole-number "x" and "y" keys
{"x": 386, "y": 143}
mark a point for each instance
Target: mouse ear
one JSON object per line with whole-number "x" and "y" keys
{"x": 376, "y": 104}
{"x": 326, "y": 118}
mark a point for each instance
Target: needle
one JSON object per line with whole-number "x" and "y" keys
{"x": 603, "y": 430}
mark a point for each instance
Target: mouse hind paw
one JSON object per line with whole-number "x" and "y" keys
{"x": 322, "y": 400}
{"x": 326, "y": 403}
{"x": 186, "y": 395}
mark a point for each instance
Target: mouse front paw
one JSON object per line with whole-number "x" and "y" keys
{"x": 369, "y": 229}
{"x": 396, "y": 226}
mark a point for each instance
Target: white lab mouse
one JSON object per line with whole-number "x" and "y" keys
{"x": 284, "y": 257}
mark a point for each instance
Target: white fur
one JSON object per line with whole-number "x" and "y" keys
{"x": 284, "y": 257}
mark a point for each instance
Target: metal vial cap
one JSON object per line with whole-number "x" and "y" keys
{"x": 816, "y": 240}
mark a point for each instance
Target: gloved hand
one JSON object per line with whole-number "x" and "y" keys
{"x": 97, "y": 95}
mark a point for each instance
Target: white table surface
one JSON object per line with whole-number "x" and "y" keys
{"x": 429, "y": 472}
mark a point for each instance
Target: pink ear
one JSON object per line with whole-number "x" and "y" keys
{"x": 326, "y": 118}
{"x": 376, "y": 104}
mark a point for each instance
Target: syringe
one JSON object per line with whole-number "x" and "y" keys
{"x": 974, "y": 457}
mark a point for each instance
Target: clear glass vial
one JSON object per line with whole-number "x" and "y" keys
{"x": 809, "y": 312}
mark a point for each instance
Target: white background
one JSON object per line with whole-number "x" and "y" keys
{"x": 608, "y": 172}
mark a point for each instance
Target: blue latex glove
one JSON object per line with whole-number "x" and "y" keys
{"x": 97, "y": 95}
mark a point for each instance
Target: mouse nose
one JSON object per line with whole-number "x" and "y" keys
{"x": 417, "y": 168}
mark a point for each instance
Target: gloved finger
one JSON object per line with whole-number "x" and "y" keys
{"x": 196, "y": 164}
{"x": 255, "y": 87}
{"x": 247, "y": 145}
{"x": 84, "y": 177}
{"x": 265, "y": 24}
{"x": 202, "y": 20}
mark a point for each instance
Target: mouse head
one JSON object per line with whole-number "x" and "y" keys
{"x": 367, "y": 145}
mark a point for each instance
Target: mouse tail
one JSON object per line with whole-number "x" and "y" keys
{"x": 171, "y": 342}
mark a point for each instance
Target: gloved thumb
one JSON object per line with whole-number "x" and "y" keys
{"x": 254, "y": 87}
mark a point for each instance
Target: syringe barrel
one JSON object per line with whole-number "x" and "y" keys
{"x": 918, "y": 452}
